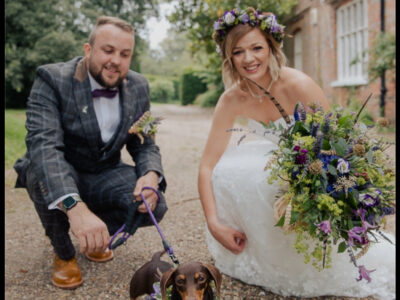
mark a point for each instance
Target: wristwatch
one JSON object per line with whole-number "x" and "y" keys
{"x": 69, "y": 203}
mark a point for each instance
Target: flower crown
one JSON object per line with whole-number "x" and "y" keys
{"x": 265, "y": 21}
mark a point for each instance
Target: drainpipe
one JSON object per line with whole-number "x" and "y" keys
{"x": 383, "y": 87}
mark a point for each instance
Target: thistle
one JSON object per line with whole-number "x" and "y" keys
{"x": 359, "y": 150}
{"x": 383, "y": 122}
{"x": 316, "y": 167}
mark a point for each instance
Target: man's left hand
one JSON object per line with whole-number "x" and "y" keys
{"x": 149, "y": 179}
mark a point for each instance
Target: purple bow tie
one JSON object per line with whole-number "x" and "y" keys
{"x": 104, "y": 93}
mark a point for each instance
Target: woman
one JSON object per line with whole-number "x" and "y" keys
{"x": 236, "y": 198}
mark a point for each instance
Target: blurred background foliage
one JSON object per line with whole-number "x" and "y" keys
{"x": 48, "y": 31}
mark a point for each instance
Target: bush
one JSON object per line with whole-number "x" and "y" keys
{"x": 210, "y": 98}
{"x": 161, "y": 90}
{"x": 192, "y": 85}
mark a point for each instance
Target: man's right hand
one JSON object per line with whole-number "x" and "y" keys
{"x": 91, "y": 231}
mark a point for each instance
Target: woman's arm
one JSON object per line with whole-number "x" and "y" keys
{"x": 218, "y": 139}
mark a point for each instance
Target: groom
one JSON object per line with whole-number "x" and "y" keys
{"x": 78, "y": 116}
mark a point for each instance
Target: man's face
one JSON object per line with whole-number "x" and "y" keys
{"x": 109, "y": 58}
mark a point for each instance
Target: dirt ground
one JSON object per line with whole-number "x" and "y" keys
{"x": 28, "y": 254}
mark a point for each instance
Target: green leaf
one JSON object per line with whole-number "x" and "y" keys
{"x": 369, "y": 156}
{"x": 342, "y": 247}
{"x": 340, "y": 146}
{"x": 342, "y": 121}
{"x": 332, "y": 170}
{"x": 281, "y": 221}
{"x": 294, "y": 217}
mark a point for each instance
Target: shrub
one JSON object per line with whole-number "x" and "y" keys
{"x": 161, "y": 90}
{"x": 192, "y": 84}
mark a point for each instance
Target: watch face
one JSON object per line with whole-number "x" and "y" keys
{"x": 69, "y": 202}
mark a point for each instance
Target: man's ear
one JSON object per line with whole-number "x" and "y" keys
{"x": 87, "y": 49}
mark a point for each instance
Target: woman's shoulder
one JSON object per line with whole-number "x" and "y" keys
{"x": 300, "y": 86}
{"x": 233, "y": 97}
{"x": 295, "y": 79}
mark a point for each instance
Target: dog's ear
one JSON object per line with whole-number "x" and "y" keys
{"x": 216, "y": 276}
{"x": 166, "y": 281}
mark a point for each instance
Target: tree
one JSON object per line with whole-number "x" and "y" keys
{"x": 48, "y": 31}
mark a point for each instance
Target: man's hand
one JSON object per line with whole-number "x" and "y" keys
{"x": 150, "y": 179}
{"x": 91, "y": 231}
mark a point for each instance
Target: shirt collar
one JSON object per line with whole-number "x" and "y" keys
{"x": 94, "y": 84}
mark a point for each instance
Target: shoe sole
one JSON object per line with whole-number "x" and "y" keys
{"x": 100, "y": 260}
{"x": 70, "y": 286}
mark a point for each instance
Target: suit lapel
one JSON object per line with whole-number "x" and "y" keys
{"x": 84, "y": 103}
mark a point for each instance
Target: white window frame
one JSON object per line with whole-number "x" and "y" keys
{"x": 352, "y": 42}
{"x": 298, "y": 51}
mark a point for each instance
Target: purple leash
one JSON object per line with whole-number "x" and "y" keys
{"x": 126, "y": 235}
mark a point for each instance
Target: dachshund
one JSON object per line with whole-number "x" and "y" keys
{"x": 190, "y": 281}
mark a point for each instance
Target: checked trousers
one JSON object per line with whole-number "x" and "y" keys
{"x": 107, "y": 194}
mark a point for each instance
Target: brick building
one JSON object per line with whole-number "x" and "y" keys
{"x": 328, "y": 35}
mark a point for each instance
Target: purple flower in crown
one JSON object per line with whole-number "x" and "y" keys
{"x": 244, "y": 18}
{"x": 369, "y": 199}
{"x": 324, "y": 226}
{"x": 229, "y": 17}
{"x": 296, "y": 148}
{"x": 217, "y": 25}
{"x": 364, "y": 273}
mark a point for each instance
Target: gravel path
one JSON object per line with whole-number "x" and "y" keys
{"x": 28, "y": 254}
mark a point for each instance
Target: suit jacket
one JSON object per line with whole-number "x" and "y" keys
{"x": 63, "y": 133}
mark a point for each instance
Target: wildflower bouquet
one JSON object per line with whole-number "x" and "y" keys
{"x": 146, "y": 125}
{"x": 339, "y": 184}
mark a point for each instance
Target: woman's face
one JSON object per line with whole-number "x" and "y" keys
{"x": 250, "y": 55}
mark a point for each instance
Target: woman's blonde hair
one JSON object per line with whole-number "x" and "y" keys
{"x": 230, "y": 75}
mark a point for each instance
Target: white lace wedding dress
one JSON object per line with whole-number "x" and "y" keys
{"x": 245, "y": 201}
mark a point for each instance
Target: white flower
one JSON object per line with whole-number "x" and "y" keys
{"x": 218, "y": 49}
{"x": 343, "y": 166}
{"x": 229, "y": 18}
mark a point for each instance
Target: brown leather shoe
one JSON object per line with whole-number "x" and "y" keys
{"x": 66, "y": 273}
{"x": 100, "y": 256}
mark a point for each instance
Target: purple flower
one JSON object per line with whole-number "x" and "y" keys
{"x": 343, "y": 166}
{"x": 229, "y": 17}
{"x": 305, "y": 151}
{"x": 217, "y": 25}
{"x": 244, "y": 18}
{"x": 301, "y": 159}
{"x": 324, "y": 226}
{"x": 296, "y": 148}
{"x": 354, "y": 234}
{"x": 364, "y": 273}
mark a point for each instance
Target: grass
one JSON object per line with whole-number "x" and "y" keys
{"x": 14, "y": 134}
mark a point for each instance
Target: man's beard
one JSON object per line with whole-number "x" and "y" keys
{"x": 96, "y": 74}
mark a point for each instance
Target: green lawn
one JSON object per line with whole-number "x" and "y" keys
{"x": 14, "y": 135}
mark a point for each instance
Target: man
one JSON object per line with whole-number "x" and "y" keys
{"x": 78, "y": 116}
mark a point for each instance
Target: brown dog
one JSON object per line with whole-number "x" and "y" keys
{"x": 143, "y": 279}
{"x": 190, "y": 281}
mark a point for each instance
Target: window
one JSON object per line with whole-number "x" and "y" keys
{"x": 352, "y": 43}
{"x": 298, "y": 55}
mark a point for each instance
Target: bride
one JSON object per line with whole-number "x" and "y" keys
{"x": 235, "y": 196}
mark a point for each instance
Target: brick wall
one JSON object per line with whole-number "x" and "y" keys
{"x": 319, "y": 49}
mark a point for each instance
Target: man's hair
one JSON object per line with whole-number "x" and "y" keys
{"x": 230, "y": 75}
{"x": 104, "y": 20}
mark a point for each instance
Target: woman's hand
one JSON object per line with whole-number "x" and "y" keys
{"x": 228, "y": 237}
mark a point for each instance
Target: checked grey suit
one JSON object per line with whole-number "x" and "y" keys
{"x": 66, "y": 154}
